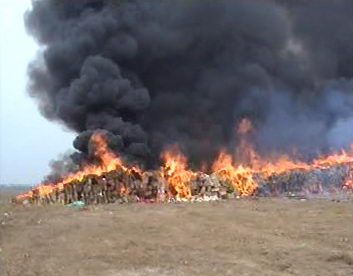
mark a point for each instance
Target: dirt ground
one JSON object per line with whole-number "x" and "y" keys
{"x": 235, "y": 237}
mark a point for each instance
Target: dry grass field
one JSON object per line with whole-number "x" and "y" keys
{"x": 235, "y": 237}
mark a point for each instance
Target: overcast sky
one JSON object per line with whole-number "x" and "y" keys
{"x": 27, "y": 140}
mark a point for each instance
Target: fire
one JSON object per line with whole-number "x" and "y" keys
{"x": 108, "y": 162}
{"x": 334, "y": 159}
{"x": 45, "y": 190}
{"x": 348, "y": 182}
{"x": 29, "y": 194}
{"x": 283, "y": 165}
{"x": 175, "y": 171}
{"x": 240, "y": 177}
{"x": 241, "y": 170}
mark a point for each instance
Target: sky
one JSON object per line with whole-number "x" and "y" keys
{"x": 27, "y": 140}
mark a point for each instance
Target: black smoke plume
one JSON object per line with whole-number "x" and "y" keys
{"x": 158, "y": 72}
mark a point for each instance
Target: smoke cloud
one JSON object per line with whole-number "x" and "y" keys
{"x": 157, "y": 72}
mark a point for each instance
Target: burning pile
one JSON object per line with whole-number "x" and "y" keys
{"x": 111, "y": 181}
{"x": 131, "y": 78}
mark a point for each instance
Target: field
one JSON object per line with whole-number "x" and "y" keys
{"x": 235, "y": 237}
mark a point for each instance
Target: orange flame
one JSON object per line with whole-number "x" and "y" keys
{"x": 239, "y": 170}
{"x": 176, "y": 173}
{"x": 240, "y": 177}
{"x": 282, "y": 165}
{"x": 348, "y": 182}
{"x": 108, "y": 162}
{"x": 340, "y": 158}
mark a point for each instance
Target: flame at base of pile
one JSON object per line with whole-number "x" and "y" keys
{"x": 118, "y": 186}
{"x": 112, "y": 181}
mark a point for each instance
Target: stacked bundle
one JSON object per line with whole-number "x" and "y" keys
{"x": 151, "y": 186}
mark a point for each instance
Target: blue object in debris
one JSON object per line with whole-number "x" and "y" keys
{"x": 77, "y": 204}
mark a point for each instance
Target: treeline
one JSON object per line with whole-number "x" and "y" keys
{"x": 14, "y": 188}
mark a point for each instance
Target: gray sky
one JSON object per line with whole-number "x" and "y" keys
{"x": 27, "y": 141}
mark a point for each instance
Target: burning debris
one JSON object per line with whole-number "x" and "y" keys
{"x": 132, "y": 78}
{"x": 111, "y": 181}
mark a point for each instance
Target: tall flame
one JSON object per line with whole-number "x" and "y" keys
{"x": 175, "y": 171}
{"x": 239, "y": 175}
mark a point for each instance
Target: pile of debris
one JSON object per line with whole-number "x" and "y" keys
{"x": 302, "y": 182}
{"x": 150, "y": 186}
{"x": 111, "y": 181}
{"x": 117, "y": 186}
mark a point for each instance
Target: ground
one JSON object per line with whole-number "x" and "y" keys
{"x": 235, "y": 237}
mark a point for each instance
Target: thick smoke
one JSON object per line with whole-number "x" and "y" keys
{"x": 158, "y": 72}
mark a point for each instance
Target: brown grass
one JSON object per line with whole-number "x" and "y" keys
{"x": 237, "y": 237}
{"x": 345, "y": 257}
